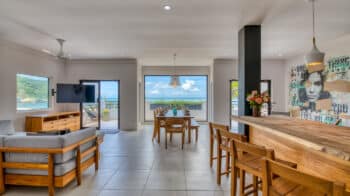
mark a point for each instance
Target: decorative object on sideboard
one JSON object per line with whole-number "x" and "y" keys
{"x": 256, "y": 100}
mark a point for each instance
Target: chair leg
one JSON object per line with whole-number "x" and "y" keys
{"x": 218, "y": 166}
{"x": 241, "y": 182}
{"x": 211, "y": 152}
{"x": 255, "y": 185}
{"x": 196, "y": 134}
{"x": 183, "y": 140}
{"x": 166, "y": 140}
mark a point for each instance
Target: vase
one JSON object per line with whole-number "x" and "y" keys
{"x": 256, "y": 111}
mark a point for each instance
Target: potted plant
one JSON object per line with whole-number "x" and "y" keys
{"x": 256, "y": 100}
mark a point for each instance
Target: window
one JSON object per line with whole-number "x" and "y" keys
{"x": 191, "y": 94}
{"x": 32, "y": 92}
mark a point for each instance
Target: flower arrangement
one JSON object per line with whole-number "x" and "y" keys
{"x": 256, "y": 100}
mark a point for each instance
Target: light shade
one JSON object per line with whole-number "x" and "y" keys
{"x": 314, "y": 57}
{"x": 174, "y": 81}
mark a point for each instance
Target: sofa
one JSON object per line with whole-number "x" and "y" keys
{"x": 46, "y": 160}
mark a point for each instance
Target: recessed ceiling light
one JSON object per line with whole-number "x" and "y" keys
{"x": 167, "y": 7}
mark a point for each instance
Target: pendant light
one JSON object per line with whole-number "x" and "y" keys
{"x": 314, "y": 57}
{"x": 174, "y": 81}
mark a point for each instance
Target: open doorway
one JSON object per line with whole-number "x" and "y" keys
{"x": 265, "y": 86}
{"x": 104, "y": 112}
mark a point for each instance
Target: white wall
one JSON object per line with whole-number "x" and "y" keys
{"x": 225, "y": 70}
{"x": 124, "y": 70}
{"x": 18, "y": 59}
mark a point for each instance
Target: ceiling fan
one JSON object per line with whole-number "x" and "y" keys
{"x": 61, "y": 54}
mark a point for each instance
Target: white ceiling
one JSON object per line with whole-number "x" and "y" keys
{"x": 195, "y": 29}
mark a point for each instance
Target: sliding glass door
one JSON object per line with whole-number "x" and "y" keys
{"x": 104, "y": 112}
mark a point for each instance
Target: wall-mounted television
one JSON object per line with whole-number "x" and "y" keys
{"x": 75, "y": 93}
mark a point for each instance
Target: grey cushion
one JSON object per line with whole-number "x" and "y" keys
{"x": 59, "y": 170}
{"x": 6, "y": 127}
{"x": 47, "y": 142}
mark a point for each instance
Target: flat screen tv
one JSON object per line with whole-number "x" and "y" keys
{"x": 75, "y": 93}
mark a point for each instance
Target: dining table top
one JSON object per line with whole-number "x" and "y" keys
{"x": 169, "y": 114}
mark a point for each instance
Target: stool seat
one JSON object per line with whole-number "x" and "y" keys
{"x": 281, "y": 186}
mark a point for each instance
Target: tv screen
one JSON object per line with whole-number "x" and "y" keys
{"x": 75, "y": 93}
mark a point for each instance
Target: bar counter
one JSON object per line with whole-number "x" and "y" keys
{"x": 318, "y": 149}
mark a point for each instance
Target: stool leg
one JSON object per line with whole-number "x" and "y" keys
{"x": 211, "y": 151}
{"x": 218, "y": 166}
{"x": 196, "y": 134}
{"x": 234, "y": 177}
{"x": 171, "y": 137}
{"x": 241, "y": 182}
{"x": 255, "y": 185}
{"x": 227, "y": 163}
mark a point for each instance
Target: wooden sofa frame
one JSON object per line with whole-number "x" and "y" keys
{"x": 50, "y": 180}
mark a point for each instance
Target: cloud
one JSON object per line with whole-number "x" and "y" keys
{"x": 195, "y": 89}
{"x": 155, "y": 92}
{"x": 188, "y": 85}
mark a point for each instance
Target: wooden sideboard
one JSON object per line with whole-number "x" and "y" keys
{"x": 53, "y": 122}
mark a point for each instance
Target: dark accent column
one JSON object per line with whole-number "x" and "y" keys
{"x": 249, "y": 67}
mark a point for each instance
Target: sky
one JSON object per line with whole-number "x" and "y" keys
{"x": 109, "y": 89}
{"x": 191, "y": 87}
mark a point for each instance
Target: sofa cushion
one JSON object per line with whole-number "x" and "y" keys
{"x": 59, "y": 170}
{"x": 60, "y": 141}
{"x": 6, "y": 127}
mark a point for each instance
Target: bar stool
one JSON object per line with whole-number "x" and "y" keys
{"x": 248, "y": 162}
{"x": 212, "y": 134}
{"x": 224, "y": 140}
{"x": 295, "y": 183}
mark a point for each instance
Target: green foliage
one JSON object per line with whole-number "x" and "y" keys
{"x": 29, "y": 89}
{"x": 234, "y": 89}
{"x": 177, "y": 103}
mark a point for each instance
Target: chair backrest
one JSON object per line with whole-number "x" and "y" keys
{"x": 213, "y": 127}
{"x": 253, "y": 149}
{"x": 225, "y": 138}
{"x": 170, "y": 122}
{"x": 316, "y": 184}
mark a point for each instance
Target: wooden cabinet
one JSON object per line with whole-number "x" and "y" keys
{"x": 53, "y": 122}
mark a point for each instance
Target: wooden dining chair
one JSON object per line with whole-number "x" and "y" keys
{"x": 161, "y": 124}
{"x": 292, "y": 182}
{"x": 212, "y": 139}
{"x": 175, "y": 125}
{"x": 224, "y": 141}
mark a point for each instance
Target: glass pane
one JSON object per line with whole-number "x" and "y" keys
{"x": 90, "y": 110}
{"x": 109, "y": 105}
{"x": 32, "y": 92}
{"x": 264, "y": 87}
{"x": 234, "y": 103}
{"x": 191, "y": 94}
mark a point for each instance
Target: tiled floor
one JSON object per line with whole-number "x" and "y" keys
{"x": 132, "y": 165}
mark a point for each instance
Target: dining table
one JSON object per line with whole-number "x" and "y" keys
{"x": 168, "y": 115}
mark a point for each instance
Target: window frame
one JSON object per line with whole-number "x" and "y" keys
{"x": 144, "y": 94}
{"x": 49, "y": 104}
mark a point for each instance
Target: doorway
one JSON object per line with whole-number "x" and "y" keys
{"x": 265, "y": 86}
{"x": 104, "y": 113}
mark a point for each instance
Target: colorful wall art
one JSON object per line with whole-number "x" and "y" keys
{"x": 321, "y": 93}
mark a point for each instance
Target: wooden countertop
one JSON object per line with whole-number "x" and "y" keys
{"x": 331, "y": 139}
